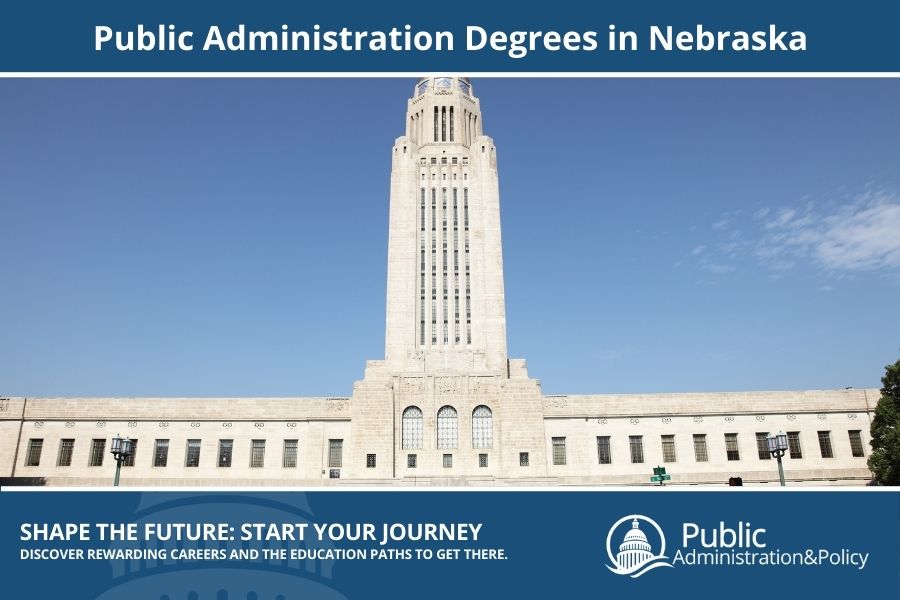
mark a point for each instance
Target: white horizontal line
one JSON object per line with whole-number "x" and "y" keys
{"x": 506, "y": 489}
{"x": 416, "y": 74}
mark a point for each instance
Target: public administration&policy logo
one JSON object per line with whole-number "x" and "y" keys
{"x": 720, "y": 545}
{"x": 635, "y": 556}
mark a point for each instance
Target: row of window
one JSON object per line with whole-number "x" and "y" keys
{"x": 482, "y": 438}
{"x": 701, "y": 454}
{"x": 443, "y": 176}
{"x": 446, "y": 271}
{"x": 444, "y": 126}
{"x": 225, "y": 455}
{"x": 412, "y": 460}
{"x": 453, "y": 161}
{"x": 441, "y": 116}
{"x": 160, "y": 456}
{"x": 447, "y": 428}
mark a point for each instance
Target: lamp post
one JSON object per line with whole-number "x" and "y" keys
{"x": 120, "y": 449}
{"x": 778, "y": 445}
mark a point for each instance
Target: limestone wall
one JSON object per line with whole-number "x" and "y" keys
{"x": 580, "y": 420}
{"x": 312, "y": 422}
{"x": 371, "y": 423}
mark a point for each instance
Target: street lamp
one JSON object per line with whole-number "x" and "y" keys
{"x": 778, "y": 445}
{"x": 121, "y": 450}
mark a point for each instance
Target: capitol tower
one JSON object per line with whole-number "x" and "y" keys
{"x": 445, "y": 305}
{"x": 458, "y": 406}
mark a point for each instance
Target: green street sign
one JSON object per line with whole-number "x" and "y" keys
{"x": 659, "y": 478}
{"x": 659, "y": 470}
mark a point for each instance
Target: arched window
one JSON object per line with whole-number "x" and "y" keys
{"x": 412, "y": 428}
{"x": 448, "y": 428}
{"x": 482, "y": 427}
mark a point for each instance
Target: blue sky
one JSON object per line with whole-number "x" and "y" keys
{"x": 229, "y": 237}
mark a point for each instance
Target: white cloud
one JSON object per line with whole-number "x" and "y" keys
{"x": 761, "y": 213}
{"x": 782, "y": 218}
{"x": 717, "y": 268}
{"x": 861, "y": 235}
{"x": 858, "y": 234}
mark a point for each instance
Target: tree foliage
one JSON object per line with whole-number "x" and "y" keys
{"x": 885, "y": 458}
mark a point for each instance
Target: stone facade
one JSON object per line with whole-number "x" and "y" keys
{"x": 446, "y": 406}
{"x": 370, "y": 423}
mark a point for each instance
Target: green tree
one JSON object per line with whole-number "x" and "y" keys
{"x": 885, "y": 458}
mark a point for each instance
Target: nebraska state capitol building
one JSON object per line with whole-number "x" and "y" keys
{"x": 446, "y": 406}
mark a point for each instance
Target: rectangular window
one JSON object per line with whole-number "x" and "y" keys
{"x": 482, "y": 460}
{"x": 335, "y": 453}
{"x": 604, "y": 456}
{"x": 762, "y": 445}
{"x": 700, "y": 453}
{"x": 33, "y": 458}
{"x": 128, "y": 461}
{"x": 192, "y": 454}
{"x": 448, "y": 461}
{"x": 257, "y": 454}
{"x": 370, "y": 461}
{"x": 856, "y": 445}
{"x": 825, "y": 444}
{"x": 466, "y": 245}
{"x": 668, "y": 448}
{"x": 559, "y": 451}
{"x": 64, "y": 458}
{"x": 731, "y": 447}
{"x": 523, "y": 459}
{"x": 794, "y": 444}
{"x": 161, "y": 453}
{"x": 226, "y": 450}
{"x": 636, "y": 443}
{"x": 422, "y": 266}
{"x": 289, "y": 455}
{"x": 411, "y": 461}
{"x": 98, "y": 447}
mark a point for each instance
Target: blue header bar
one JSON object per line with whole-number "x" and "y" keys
{"x": 404, "y": 37}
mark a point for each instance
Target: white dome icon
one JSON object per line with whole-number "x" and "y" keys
{"x": 634, "y": 550}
